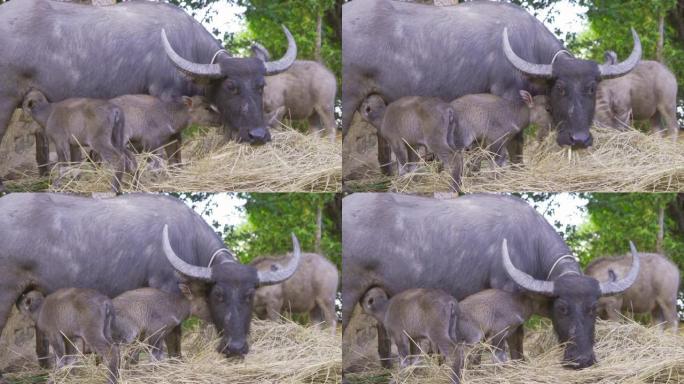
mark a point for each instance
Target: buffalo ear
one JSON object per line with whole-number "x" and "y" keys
{"x": 185, "y": 290}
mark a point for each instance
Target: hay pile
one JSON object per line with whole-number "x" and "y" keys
{"x": 629, "y": 161}
{"x": 291, "y": 162}
{"x": 626, "y": 353}
{"x": 279, "y": 353}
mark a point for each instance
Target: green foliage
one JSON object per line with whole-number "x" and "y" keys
{"x": 271, "y": 217}
{"x": 616, "y": 218}
{"x": 264, "y": 18}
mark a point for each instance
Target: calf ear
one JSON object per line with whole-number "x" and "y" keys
{"x": 527, "y": 98}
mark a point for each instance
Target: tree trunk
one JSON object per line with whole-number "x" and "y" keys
{"x": 661, "y": 230}
{"x": 319, "y": 228}
{"x": 661, "y": 38}
{"x": 319, "y": 37}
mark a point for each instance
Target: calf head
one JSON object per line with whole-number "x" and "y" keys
{"x": 235, "y": 86}
{"x": 373, "y": 110}
{"x": 30, "y": 303}
{"x": 574, "y": 305}
{"x": 202, "y": 112}
{"x": 374, "y": 303}
{"x": 230, "y": 292}
{"x": 571, "y": 86}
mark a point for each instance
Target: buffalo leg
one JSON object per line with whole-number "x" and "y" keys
{"x": 384, "y": 155}
{"x": 326, "y": 116}
{"x": 403, "y": 348}
{"x": 42, "y": 348}
{"x": 173, "y": 342}
{"x": 42, "y": 153}
{"x": 315, "y": 126}
{"x": 499, "y": 344}
{"x": 669, "y": 314}
{"x": 450, "y": 159}
{"x": 500, "y": 153}
{"x": 327, "y": 308}
{"x": 173, "y": 149}
{"x": 384, "y": 346}
{"x": 116, "y": 160}
{"x": 515, "y": 148}
{"x": 63, "y": 156}
{"x": 669, "y": 117}
{"x": 156, "y": 343}
{"x": 7, "y": 108}
{"x": 401, "y": 153}
{"x": 515, "y": 343}
{"x": 57, "y": 344}
{"x": 110, "y": 355}
{"x": 453, "y": 353}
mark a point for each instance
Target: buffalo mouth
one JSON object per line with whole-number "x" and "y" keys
{"x": 580, "y": 362}
{"x": 233, "y": 350}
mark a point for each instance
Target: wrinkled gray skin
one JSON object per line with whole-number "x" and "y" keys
{"x": 397, "y": 49}
{"x": 493, "y": 120}
{"x": 462, "y": 251}
{"x": 416, "y": 315}
{"x": 312, "y": 289}
{"x": 69, "y": 314}
{"x": 152, "y": 123}
{"x": 497, "y": 317}
{"x": 149, "y": 314}
{"x": 51, "y": 240}
{"x": 73, "y": 123}
{"x": 68, "y": 50}
{"x": 411, "y": 122}
{"x": 649, "y": 92}
{"x": 305, "y": 91}
{"x": 654, "y": 291}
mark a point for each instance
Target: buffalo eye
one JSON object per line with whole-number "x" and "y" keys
{"x": 563, "y": 308}
{"x": 231, "y": 87}
{"x": 218, "y": 294}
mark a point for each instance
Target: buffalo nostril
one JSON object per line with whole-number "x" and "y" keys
{"x": 259, "y": 135}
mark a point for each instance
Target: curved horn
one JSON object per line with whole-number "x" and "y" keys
{"x": 536, "y": 70}
{"x": 615, "y": 70}
{"x": 283, "y": 272}
{"x": 211, "y": 71}
{"x": 274, "y": 67}
{"x": 524, "y": 280}
{"x": 260, "y": 51}
{"x": 201, "y": 273}
{"x": 614, "y": 287}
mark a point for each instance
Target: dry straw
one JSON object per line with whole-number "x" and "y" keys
{"x": 291, "y": 162}
{"x": 626, "y": 353}
{"x": 279, "y": 353}
{"x": 628, "y": 161}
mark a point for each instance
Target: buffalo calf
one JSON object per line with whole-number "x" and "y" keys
{"x": 311, "y": 290}
{"x": 493, "y": 120}
{"x": 649, "y": 92}
{"x": 150, "y": 314}
{"x": 416, "y": 315}
{"x": 152, "y": 123}
{"x": 76, "y": 122}
{"x": 74, "y": 313}
{"x": 654, "y": 291}
{"x": 411, "y": 122}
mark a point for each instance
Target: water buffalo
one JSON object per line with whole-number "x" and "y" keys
{"x": 415, "y": 121}
{"x": 398, "y": 49}
{"x": 312, "y": 289}
{"x": 69, "y": 314}
{"x": 152, "y": 123}
{"x": 497, "y": 316}
{"x": 649, "y": 92}
{"x": 415, "y": 315}
{"x": 397, "y": 242}
{"x": 76, "y": 122}
{"x": 149, "y": 314}
{"x": 135, "y": 47}
{"x": 654, "y": 291}
{"x": 305, "y": 91}
{"x": 52, "y": 241}
{"x": 492, "y": 120}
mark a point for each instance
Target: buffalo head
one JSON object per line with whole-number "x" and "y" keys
{"x": 231, "y": 288}
{"x": 571, "y": 87}
{"x": 235, "y": 86}
{"x": 574, "y": 305}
